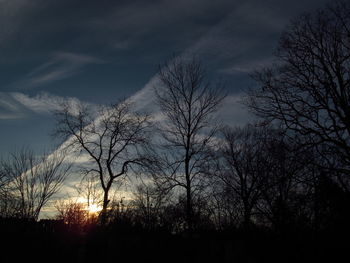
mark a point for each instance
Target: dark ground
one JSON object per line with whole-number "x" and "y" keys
{"x": 51, "y": 241}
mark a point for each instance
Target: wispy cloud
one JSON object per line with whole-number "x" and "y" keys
{"x": 10, "y": 116}
{"x": 123, "y": 44}
{"x": 248, "y": 66}
{"x": 42, "y": 103}
{"x": 144, "y": 99}
{"x": 61, "y": 65}
{"x": 14, "y": 105}
{"x": 233, "y": 112}
{"x": 9, "y": 107}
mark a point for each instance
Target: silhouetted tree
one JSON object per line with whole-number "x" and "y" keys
{"x": 286, "y": 198}
{"x": 245, "y": 167}
{"x": 224, "y": 205}
{"x": 33, "y": 180}
{"x": 6, "y": 199}
{"x": 73, "y": 214}
{"x": 148, "y": 204}
{"x": 113, "y": 138}
{"x": 3, "y": 178}
{"x": 90, "y": 190}
{"x": 308, "y": 90}
{"x": 331, "y": 205}
{"x": 187, "y": 102}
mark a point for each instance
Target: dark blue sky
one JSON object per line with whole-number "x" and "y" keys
{"x": 102, "y": 51}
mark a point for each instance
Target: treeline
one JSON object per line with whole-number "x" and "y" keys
{"x": 259, "y": 178}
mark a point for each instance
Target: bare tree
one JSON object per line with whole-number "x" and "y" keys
{"x": 113, "y": 138}
{"x": 5, "y": 197}
{"x": 33, "y": 180}
{"x": 308, "y": 90}
{"x": 245, "y": 167}
{"x": 89, "y": 189}
{"x": 74, "y": 214}
{"x": 148, "y": 203}
{"x": 224, "y": 205}
{"x": 286, "y": 197}
{"x": 187, "y": 102}
{"x": 3, "y": 179}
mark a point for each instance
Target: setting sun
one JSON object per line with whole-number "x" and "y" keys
{"x": 94, "y": 208}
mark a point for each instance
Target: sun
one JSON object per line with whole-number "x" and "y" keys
{"x": 93, "y": 208}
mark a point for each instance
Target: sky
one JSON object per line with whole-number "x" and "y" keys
{"x": 103, "y": 51}
{"x": 100, "y": 52}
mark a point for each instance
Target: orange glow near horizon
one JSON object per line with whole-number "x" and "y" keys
{"x": 93, "y": 208}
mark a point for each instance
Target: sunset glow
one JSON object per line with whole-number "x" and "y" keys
{"x": 93, "y": 208}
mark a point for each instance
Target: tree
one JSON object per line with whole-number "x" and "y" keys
{"x": 3, "y": 179}
{"x": 90, "y": 190}
{"x": 187, "y": 102}
{"x": 148, "y": 204}
{"x": 245, "y": 167}
{"x": 285, "y": 199}
{"x": 113, "y": 138}
{"x": 6, "y": 206}
{"x": 73, "y": 214}
{"x": 308, "y": 90}
{"x": 33, "y": 180}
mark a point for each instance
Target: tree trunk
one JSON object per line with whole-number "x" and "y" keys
{"x": 189, "y": 218}
{"x": 247, "y": 217}
{"x": 103, "y": 214}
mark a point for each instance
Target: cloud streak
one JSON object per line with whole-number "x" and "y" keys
{"x": 14, "y": 105}
{"x": 62, "y": 65}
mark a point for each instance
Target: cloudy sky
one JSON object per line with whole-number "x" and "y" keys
{"x": 106, "y": 50}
